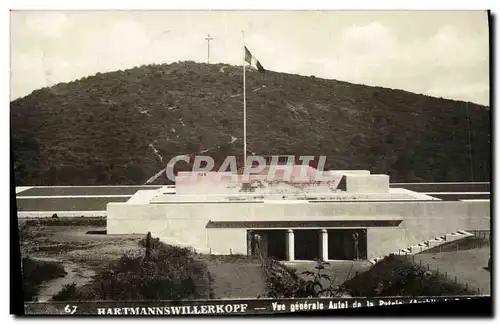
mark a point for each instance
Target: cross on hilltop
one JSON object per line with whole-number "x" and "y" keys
{"x": 208, "y": 39}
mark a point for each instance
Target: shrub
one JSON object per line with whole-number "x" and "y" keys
{"x": 282, "y": 282}
{"x": 35, "y": 272}
{"x": 315, "y": 286}
{"x": 72, "y": 292}
{"x": 167, "y": 273}
{"x": 66, "y": 293}
{"x": 155, "y": 242}
{"x": 285, "y": 282}
{"x": 24, "y": 231}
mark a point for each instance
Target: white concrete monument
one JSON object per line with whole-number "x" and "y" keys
{"x": 213, "y": 213}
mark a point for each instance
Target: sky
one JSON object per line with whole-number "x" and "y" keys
{"x": 438, "y": 53}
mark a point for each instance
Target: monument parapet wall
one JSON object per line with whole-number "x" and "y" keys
{"x": 372, "y": 183}
{"x": 199, "y": 223}
{"x": 278, "y": 181}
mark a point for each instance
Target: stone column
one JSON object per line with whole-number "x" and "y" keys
{"x": 290, "y": 245}
{"x": 324, "y": 244}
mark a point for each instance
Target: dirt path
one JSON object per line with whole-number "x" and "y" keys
{"x": 82, "y": 255}
{"x": 75, "y": 274}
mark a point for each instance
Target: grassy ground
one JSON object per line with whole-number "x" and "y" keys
{"x": 399, "y": 276}
{"x": 468, "y": 265}
{"x": 72, "y": 244}
{"x": 235, "y": 276}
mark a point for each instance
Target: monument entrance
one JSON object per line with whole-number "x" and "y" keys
{"x": 347, "y": 244}
{"x": 269, "y": 243}
{"x": 307, "y": 244}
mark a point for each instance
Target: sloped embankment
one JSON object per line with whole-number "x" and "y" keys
{"x": 397, "y": 276}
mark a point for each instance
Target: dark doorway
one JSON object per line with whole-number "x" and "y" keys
{"x": 307, "y": 244}
{"x": 272, "y": 243}
{"x": 341, "y": 244}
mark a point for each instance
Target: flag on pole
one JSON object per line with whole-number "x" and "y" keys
{"x": 250, "y": 59}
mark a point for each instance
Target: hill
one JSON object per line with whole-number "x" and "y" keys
{"x": 111, "y": 128}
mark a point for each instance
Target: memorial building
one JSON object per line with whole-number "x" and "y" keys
{"x": 349, "y": 214}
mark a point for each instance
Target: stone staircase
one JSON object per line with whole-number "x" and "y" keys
{"x": 426, "y": 245}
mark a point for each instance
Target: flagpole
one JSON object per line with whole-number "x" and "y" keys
{"x": 244, "y": 108}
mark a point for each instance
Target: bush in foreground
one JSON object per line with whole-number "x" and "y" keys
{"x": 36, "y": 272}
{"x": 163, "y": 272}
{"x": 285, "y": 282}
{"x": 66, "y": 293}
{"x": 395, "y": 276}
{"x": 282, "y": 281}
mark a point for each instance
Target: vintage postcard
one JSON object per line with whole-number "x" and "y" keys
{"x": 225, "y": 162}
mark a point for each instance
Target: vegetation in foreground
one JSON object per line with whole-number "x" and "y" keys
{"x": 393, "y": 276}
{"x": 35, "y": 273}
{"x": 285, "y": 282}
{"x": 106, "y": 128}
{"x": 396, "y": 276}
{"x": 160, "y": 272}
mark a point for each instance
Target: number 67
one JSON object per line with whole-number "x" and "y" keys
{"x": 71, "y": 309}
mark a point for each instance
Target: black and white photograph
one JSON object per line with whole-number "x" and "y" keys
{"x": 249, "y": 162}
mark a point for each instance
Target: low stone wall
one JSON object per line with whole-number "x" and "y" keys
{"x": 279, "y": 180}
